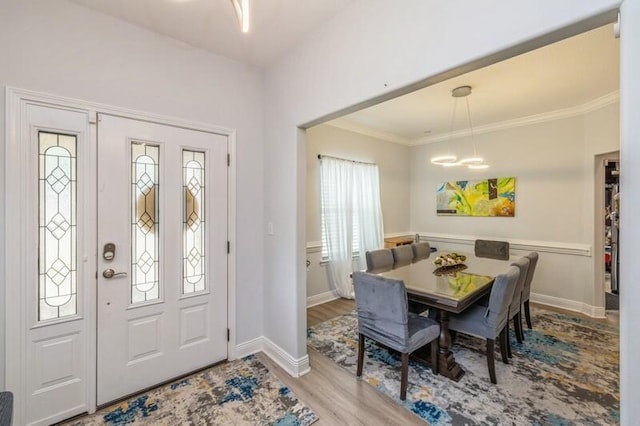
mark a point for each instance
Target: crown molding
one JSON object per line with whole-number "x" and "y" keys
{"x": 593, "y": 105}
{"x": 344, "y": 124}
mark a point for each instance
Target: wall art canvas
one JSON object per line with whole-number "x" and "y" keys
{"x": 487, "y": 197}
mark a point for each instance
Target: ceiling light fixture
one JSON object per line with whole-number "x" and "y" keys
{"x": 475, "y": 162}
{"x": 242, "y": 12}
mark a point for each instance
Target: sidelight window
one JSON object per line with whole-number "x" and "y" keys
{"x": 57, "y": 290}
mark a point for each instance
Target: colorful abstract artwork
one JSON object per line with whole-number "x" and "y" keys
{"x": 487, "y": 197}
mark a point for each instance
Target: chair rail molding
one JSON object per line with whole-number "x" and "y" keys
{"x": 573, "y": 249}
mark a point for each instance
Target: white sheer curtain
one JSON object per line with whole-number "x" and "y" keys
{"x": 366, "y": 194}
{"x": 351, "y": 217}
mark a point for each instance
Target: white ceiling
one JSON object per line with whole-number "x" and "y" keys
{"x": 569, "y": 74}
{"x": 276, "y": 25}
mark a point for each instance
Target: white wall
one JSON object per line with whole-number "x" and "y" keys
{"x": 372, "y": 48}
{"x": 61, "y": 48}
{"x": 553, "y": 163}
{"x": 393, "y": 165}
{"x": 630, "y": 205}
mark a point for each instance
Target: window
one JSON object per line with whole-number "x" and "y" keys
{"x": 145, "y": 282}
{"x": 351, "y": 218}
{"x": 57, "y": 291}
{"x": 193, "y": 245}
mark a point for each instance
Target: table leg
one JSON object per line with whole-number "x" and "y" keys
{"x": 447, "y": 365}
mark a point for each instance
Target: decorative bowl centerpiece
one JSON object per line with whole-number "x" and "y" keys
{"x": 449, "y": 262}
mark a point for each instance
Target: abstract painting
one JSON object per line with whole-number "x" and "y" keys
{"x": 487, "y": 197}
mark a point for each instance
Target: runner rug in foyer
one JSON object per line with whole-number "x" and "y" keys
{"x": 241, "y": 392}
{"x": 564, "y": 373}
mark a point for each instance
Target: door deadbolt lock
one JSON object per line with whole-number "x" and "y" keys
{"x": 109, "y": 251}
{"x": 110, "y": 273}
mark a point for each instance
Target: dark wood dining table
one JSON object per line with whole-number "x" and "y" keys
{"x": 448, "y": 290}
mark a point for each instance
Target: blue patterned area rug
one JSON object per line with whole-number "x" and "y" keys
{"x": 564, "y": 373}
{"x": 241, "y": 392}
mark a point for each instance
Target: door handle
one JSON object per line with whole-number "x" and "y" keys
{"x": 110, "y": 273}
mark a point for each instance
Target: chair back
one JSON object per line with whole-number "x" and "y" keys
{"x": 381, "y": 304}
{"x": 502, "y": 291}
{"x": 402, "y": 255}
{"x": 526, "y": 289}
{"x": 492, "y": 249}
{"x": 523, "y": 266}
{"x": 421, "y": 250}
{"x": 379, "y": 260}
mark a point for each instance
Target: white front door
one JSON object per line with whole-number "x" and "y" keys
{"x": 162, "y": 253}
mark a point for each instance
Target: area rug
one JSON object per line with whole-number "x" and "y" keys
{"x": 241, "y": 392}
{"x": 564, "y": 373}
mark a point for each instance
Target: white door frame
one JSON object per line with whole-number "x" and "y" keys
{"x": 16, "y": 234}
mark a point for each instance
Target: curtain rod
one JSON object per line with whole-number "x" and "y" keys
{"x": 320, "y": 157}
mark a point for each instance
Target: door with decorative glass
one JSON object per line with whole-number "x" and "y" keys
{"x": 162, "y": 253}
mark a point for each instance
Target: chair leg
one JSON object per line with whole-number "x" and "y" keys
{"x": 404, "y": 372}
{"x": 503, "y": 346}
{"x": 527, "y": 314}
{"x": 508, "y": 340}
{"x": 490, "y": 361}
{"x": 517, "y": 329}
{"x": 360, "y": 353}
{"x": 520, "y": 324}
{"x": 434, "y": 356}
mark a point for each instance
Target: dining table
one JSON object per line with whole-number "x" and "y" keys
{"x": 448, "y": 289}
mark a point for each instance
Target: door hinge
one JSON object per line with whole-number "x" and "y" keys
{"x": 228, "y": 247}
{"x": 228, "y": 335}
{"x": 228, "y": 160}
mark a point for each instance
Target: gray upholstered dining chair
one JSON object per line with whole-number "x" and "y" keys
{"x": 421, "y": 250}
{"x": 6, "y": 408}
{"x": 514, "y": 308}
{"x": 379, "y": 260}
{"x": 381, "y": 304}
{"x": 526, "y": 291}
{"x": 490, "y": 322}
{"x": 492, "y": 249}
{"x": 402, "y": 255}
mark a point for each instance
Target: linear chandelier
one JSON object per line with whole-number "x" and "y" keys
{"x": 242, "y": 12}
{"x": 451, "y": 160}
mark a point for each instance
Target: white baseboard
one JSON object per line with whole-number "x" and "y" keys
{"x": 295, "y": 367}
{"x": 569, "y": 305}
{"x": 321, "y": 298}
{"x": 247, "y": 348}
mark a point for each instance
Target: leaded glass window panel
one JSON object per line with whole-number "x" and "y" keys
{"x": 57, "y": 288}
{"x": 193, "y": 172}
{"x": 145, "y": 241}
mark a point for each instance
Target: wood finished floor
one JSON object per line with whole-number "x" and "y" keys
{"x": 337, "y": 396}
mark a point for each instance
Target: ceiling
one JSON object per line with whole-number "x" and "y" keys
{"x": 276, "y": 25}
{"x": 568, "y": 76}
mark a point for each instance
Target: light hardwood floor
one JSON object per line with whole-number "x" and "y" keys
{"x": 337, "y": 396}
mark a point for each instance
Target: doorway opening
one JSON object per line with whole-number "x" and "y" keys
{"x": 612, "y": 233}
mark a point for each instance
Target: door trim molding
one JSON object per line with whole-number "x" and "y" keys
{"x": 16, "y": 238}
